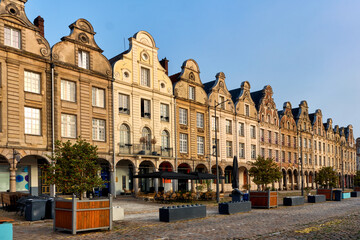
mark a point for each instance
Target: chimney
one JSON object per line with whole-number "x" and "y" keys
{"x": 164, "y": 63}
{"x": 39, "y": 22}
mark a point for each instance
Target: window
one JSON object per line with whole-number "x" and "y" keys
{"x": 12, "y": 37}
{"x": 191, "y": 93}
{"x": 289, "y": 157}
{"x": 277, "y": 155}
{"x": 289, "y": 141}
{"x": 146, "y": 137}
{"x": 124, "y": 135}
{"x": 269, "y": 136}
{"x": 309, "y": 143}
{"x": 305, "y": 159}
{"x": 222, "y": 100}
{"x": 228, "y": 126}
{"x": 229, "y": 149}
{"x": 145, "y": 108}
{"x": 241, "y": 150}
{"x": 310, "y": 161}
{"x": 320, "y": 146}
{"x": 183, "y": 143}
{"x": 124, "y": 103}
{"x": 262, "y": 152}
{"x": 295, "y": 158}
{"x": 98, "y": 130}
{"x": 270, "y": 153}
{"x": 282, "y": 139}
{"x": 68, "y": 126}
{"x": 241, "y": 129}
{"x": 183, "y": 116}
{"x": 98, "y": 97}
{"x": 305, "y": 143}
{"x": 145, "y": 77}
{"x": 32, "y": 121}
{"x": 294, "y": 142}
{"x": 165, "y": 140}
{"x": 200, "y": 145}
{"x": 214, "y": 145}
{"x": 164, "y": 112}
{"x": 276, "y": 138}
{"x": 68, "y": 91}
{"x": 200, "y": 120}
{"x": 324, "y": 147}
{"x": 253, "y": 132}
{"x": 262, "y": 135}
{"x": 320, "y": 162}
{"x": 32, "y": 82}
{"x": 215, "y": 123}
{"x": 253, "y": 151}
{"x": 315, "y": 145}
{"x": 83, "y": 60}
{"x": 283, "y": 156}
{"x": 247, "y": 110}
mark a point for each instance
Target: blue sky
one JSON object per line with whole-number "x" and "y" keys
{"x": 306, "y": 50}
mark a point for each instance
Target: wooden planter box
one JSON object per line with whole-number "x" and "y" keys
{"x": 267, "y": 199}
{"x": 82, "y": 215}
{"x": 327, "y": 192}
{"x": 356, "y": 189}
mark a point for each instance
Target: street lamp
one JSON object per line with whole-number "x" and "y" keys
{"x": 342, "y": 167}
{"x": 216, "y": 151}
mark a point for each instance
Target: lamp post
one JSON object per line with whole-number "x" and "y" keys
{"x": 301, "y": 164}
{"x": 216, "y": 152}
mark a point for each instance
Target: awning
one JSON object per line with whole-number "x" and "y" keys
{"x": 166, "y": 175}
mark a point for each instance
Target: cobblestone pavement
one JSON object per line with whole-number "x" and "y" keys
{"x": 330, "y": 220}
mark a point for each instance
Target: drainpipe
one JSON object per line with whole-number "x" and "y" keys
{"x": 175, "y": 181}
{"x": 52, "y": 65}
{"x": 113, "y": 172}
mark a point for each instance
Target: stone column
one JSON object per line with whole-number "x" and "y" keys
{"x": 12, "y": 177}
{"x": 292, "y": 181}
{"x": 136, "y": 181}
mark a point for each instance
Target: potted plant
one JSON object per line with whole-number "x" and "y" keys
{"x": 153, "y": 142}
{"x": 143, "y": 141}
{"x": 264, "y": 171}
{"x": 75, "y": 171}
{"x": 326, "y": 179}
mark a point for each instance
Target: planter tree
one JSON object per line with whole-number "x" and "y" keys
{"x": 326, "y": 177}
{"x": 75, "y": 169}
{"x": 264, "y": 171}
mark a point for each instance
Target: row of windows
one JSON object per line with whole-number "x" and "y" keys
{"x": 183, "y": 118}
{"x": 68, "y": 125}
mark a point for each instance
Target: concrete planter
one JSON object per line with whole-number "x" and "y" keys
{"x": 267, "y": 199}
{"x": 184, "y": 212}
{"x": 234, "y": 207}
{"x": 316, "y": 198}
{"x": 346, "y": 195}
{"x": 81, "y": 215}
{"x": 355, "y": 194}
{"x": 293, "y": 201}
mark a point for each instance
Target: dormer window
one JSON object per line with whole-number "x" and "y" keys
{"x": 83, "y": 60}
{"x": 191, "y": 93}
{"x": 12, "y": 37}
{"x": 145, "y": 77}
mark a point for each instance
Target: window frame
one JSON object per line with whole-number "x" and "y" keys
{"x": 145, "y": 81}
{"x": 31, "y": 83}
{"x": 200, "y": 121}
{"x": 96, "y": 97}
{"x": 65, "y": 92}
{"x": 12, "y": 31}
{"x": 97, "y": 128}
{"x": 81, "y": 54}
{"x": 145, "y": 103}
{"x": 183, "y": 116}
{"x": 68, "y": 126}
{"x": 183, "y": 143}
{"x": 33, "y": 121}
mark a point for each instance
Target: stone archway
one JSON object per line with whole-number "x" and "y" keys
{"x": 183, "y": 184}
{"x": 146, "y": 184}
{"x": 124, "y": 176}
{"x": 243, "y": 178}
{"x": 165, "y": 184}
{"x": 221, "y": 182}
{"x": 296, "y": 180}
{"x": 284, "y": 179}
{"x": 291, "y": 180}
{"x": 4, "y": 174}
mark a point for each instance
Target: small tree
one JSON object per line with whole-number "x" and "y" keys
{"x": 327, "y": 177}
{"x": 75, "y": 169}
{"x": 357, "y": 179}
{"x": 264, "y": 171}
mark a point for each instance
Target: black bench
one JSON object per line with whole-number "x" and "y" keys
{"x": 234, "y": 207}
{"x": 316, "y": 198}
{"x": 184, "y": 212}
{"x": 355, "y": 194}
{"x": 293, "y": 201}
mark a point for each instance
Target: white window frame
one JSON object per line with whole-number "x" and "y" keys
{"x": 228, "y": 124}
{"x": 32, "y": 82}
{"x": 124, "y": 103}
{"x": 12, "y": 37}
{"x": 164, "y": 112}
{"x": 32, "y": 118}
{"x": 98, "y": 129}
{"x": 68, "y": 125}
{"x": 183, "y": 116}
{"x": 247, "y": 110}
{"x": 144, "y": 76}
{"x": 83, "y": 59}
{"x": 252, "y": 131}
{"x": 229, "y": 152}
{"x": 191, "y": 93}
{"x": 68, "y": 90}
{"x": 98, "y": 97}
{"x": 183, "y": 143}
{"x": 241, "y": 129}
{"x": 253, "y": 151}
{"x": 200, "y": 145}
{"x": 241, "y": 150}
{"x": 199, "y": 120}
{"x": 145, "y": 108}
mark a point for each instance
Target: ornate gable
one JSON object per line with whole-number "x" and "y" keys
{"x": 267, "y": 109}
{"x": 220, "y": 90}
{"x": 287, "y": 120}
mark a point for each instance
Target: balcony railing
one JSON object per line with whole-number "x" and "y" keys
{"x": 145, "y": 149}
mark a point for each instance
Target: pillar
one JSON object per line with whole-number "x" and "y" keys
{"x": 136, "y": 181}
{"x": 12, "y": 177}
{"x": 292, "y": 181}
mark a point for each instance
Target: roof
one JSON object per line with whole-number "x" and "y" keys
{"x": 175, "y": 77}
{"x": 256, "y": 97}
{"x": 295, "y": 112}
{"x": 117, "y": 57}
{"x": 208, "y": 86}
{"x": 280, "y": 112}
{"x": 235, "y": 94}
{"x": 312, "y": 117}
